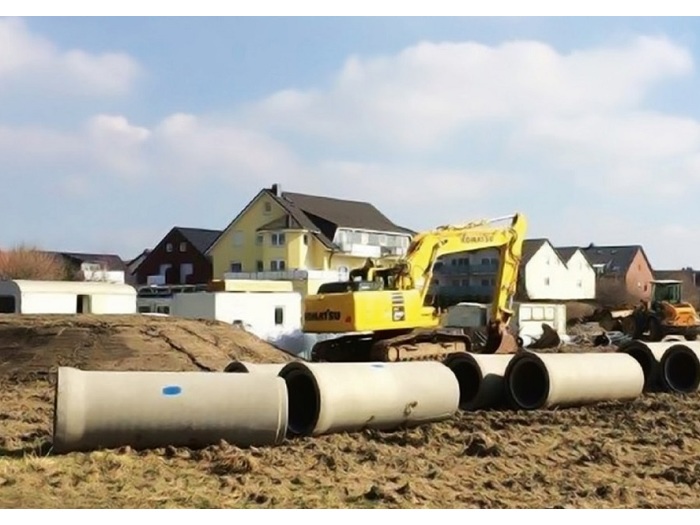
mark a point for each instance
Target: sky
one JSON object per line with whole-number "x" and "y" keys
{"x": 113, "y": 130}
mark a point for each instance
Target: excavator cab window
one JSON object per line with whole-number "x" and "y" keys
{"x": 347, "y": 286}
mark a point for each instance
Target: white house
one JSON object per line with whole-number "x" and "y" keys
{"x": 559, "y": 274}
{"x": 66, "y": 297}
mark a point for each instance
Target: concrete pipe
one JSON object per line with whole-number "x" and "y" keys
{"x": 154, "y": 409}
{"x": 558, "y": 380}
{"x": 341, "y": 397}
{"x": 257, "y": 368}
{"x": 648, "y": 355}
{"x": 680, "y": 367}
{"x": 480, "y": 378}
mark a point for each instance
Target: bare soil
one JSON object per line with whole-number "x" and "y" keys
{"x": 635, "y": 454}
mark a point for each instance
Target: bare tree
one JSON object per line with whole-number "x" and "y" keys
{"x": 28, "y": 262}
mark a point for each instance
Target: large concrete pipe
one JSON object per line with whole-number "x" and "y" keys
{"x": 155, "y": 409}
{"x": 257, "y": 368}
{"x": 648, "y": 355}
{"x": 480, "y": 378}
{"x": 341, "y": 397}
{"x": 680, "y": 367}
{"x": 559, "y": 380}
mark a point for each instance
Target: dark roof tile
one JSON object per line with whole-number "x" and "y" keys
{"x": 200, "y": 238}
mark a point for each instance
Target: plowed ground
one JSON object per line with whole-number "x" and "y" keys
{"x": 639, "y": 454}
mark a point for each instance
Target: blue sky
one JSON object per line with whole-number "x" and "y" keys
{"x": 113, "y": 130}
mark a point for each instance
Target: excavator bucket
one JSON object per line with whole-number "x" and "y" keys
{"x": 549, "y": 339}
{"x": 498, "y": 341}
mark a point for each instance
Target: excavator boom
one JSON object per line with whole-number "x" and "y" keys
{"x": 386, "y": 311}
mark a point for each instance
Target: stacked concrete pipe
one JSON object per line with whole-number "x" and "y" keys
{"x": 680, "y": 367}
{"x": 100, "y": 409}
{"x": 649, "y": 356}
{"x": 535, "y": 380}
{"x": 480, "y": 378}
{"x": 342, "y": 397}
{"x": 245, "y": 367}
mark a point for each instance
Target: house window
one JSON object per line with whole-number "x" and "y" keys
{"x": 186, "y": 269}
{"x": 278, "y": 239}
{"x": 454, "y": 262}
{"x": 259, "y": 266}
{"x": 236, "y": 267}
{"x": 183, "y": 246}
{"x": 455, "y": 282}
{"x": 436, "y": 282}
{"x": 383, "y": 240}
{"x": 162, "y": 309}
{"x": 259, "y": 239}
{"x": 484, "y": 282}
{"x": 169, "y": 247}
{"x": 279, "y": 315}
{"x": 373, "y": 239}
{"x": 306, "y": 239}
{"x": 238, "y": 238}
{"x": 546, "y": 281}
{"x": 267, "y": 208}
{"x": 579, "y": 283}
{"x": 277, "y": 265}
{"x": 485, "y": 261}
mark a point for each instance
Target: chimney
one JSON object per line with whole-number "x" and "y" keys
{"x": 277, "y": 190}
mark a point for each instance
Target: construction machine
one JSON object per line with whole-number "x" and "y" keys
{"x": 664, "y": 314}
{"x": 385, "y": 312}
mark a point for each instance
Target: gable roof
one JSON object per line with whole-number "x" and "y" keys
{"x": 615, "y": 258}
{"x": 567, "y": 252}
{"x": 530, "y": 248}
{"x": 200, "y": 238}
{"x": 344, "y": 213}
{"x": 109, "y": 261}
{"x": 321, "y": 216}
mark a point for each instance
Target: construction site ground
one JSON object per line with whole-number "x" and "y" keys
{"x": 638, "y": 454}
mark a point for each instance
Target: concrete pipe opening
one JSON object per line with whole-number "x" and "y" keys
{"x": 528, "y": 382}
{"x": 304, "y": 398}
{"x": 468, "y": 376}
{"x": 681, "y": 369}
{"x": 237, "y": 367}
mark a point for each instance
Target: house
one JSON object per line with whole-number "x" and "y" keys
{"x": 133, "y": 264}
{"x": 545, "y": 274}
{"x": 466, "y": 276}
{"x": 623, "y": 272}
{"x": 548, "y": 273}
{"x": 93, "y": 266}
{"x": 66, "y": 297}
{"x": 179, "y": 258}
{"x": 278, "y": 233}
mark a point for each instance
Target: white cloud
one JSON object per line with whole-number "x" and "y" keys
{"x": 29, "y": 61}
{"x": 439, "y": 132}
{"x": 421, "y": 95}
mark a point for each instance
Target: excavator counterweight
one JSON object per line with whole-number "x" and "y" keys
{"x": 385, "y": 313}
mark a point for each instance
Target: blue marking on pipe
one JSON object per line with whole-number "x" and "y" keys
{"x": 172, "y": 390}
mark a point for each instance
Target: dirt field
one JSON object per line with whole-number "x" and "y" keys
{"x": 640, "y": 454}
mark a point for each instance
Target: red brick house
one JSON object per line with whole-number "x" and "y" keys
{"x": 623, "y": 272}
{"x": 179, "y": 257}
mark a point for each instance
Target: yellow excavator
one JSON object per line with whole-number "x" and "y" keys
{"x": 386, "y": 311}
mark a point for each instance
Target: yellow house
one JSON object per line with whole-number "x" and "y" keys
{"x": 282, "y": 235}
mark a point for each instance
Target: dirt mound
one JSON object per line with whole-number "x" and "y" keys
{"x": 635, "y": 454}
{"x": 33, "y": 346}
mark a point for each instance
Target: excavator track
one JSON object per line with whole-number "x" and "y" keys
{"x": 419, "y": 345}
